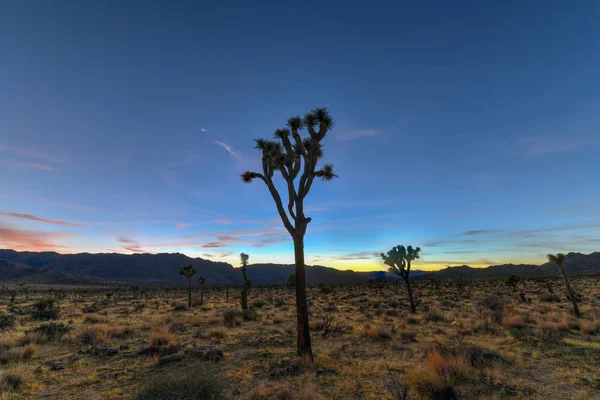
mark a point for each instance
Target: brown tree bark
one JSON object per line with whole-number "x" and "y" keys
{"x": 413, "y": 309}
{"x": 189, "y": 293}
{"x": 304, "y": 348}
{"x": 570, "y": 291}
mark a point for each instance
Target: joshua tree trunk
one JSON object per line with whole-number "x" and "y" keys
{"x": 227, "y": 294}
{"x": 244, "y": 294}
{"x": 189, "y": 293}
{"x": 413, "y": 309}
{"x": 570, "y": 291}
{"x": 304, "y": 348}
{"x": 201, "y": 295}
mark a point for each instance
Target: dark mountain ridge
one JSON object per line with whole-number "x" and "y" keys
{"x": 162, "y": 268}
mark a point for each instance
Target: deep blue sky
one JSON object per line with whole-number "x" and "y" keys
{"x": 471, "y": 129}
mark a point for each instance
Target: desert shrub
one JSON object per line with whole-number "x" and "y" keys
{"x": 7, "y": 321}
{"x": 230, "y": 317}
{"x": 434, "y": 316}
{"x": 53, "y": 330}
{"x": 589, "y": 327}
{"x": 257, "y": 304}
{"x": 11, "y": 381}
{"x": 325, "y": 289}
{"x": 18, "y": 354}
{"x": 550, "y": 298}
{"x": 179, "y": 307}
{"x": 218, "y": 333}
{"x": 408, "y": 335}
{"x": 278, "y": 319}
{"x": 492, "y": 303}
{"x": 249, "y": 315}
{"x": 120, "y": 332}
{"x": 95, "y": 319}
{"x": 92, "y": 308}
{"x": 541, "y": 335}
{"x": 279, "y": 302}
{"x": 515, "y": 321}
{"x": 44, "y": 310}
{"x": 93, "y": 336}
{"x": 377, "y": 332}
{"x": 191, "y": 385}
{"x": 160, "y": 336}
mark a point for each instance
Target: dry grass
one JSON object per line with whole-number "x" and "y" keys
{"x": 160, "y": 336}
{"x": 538, "y": 350}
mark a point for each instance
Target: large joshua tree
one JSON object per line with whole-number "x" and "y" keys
{"x": 188, "y": 271}
{"x": 246, "y": 285}
{"x": 292, "y": 156}
{"x": 399, "y": 260}
{"x": 559, "y": 260}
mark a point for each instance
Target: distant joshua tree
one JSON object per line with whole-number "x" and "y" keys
{"x": 289, "y": 156}
{"x": 201, "y": 282}
{"x": 559, "y": 260}
{"x": 244, "y": 295}
{"x": 188, "y": 271}
{"x": 513, "y": 281}
{"x": 399, "y": 259}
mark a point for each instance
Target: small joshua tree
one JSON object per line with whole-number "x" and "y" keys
{"x": 292, "y": 157}
{"x": 513, "y": 281}
{"x": 188, "y": 271}
{"x": 201, "y": 282}
{"x": 559, "y": 260}
{"x": 399, "y": 260}
{"x": 246, "y": 285}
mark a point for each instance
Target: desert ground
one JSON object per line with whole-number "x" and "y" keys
{"x": 469, "y": 339}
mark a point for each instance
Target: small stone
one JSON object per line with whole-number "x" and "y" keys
{"x": 170, "y": 358}
{"x": 98, "y": 349}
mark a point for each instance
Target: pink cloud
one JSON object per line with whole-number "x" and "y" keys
{"x": 182, "y": 225}
{"x": 30, "y": 217}
{"x": 23, "y": 240}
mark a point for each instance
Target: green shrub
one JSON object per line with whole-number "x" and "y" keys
{"x": 7, "y": 321}
{"x": 179, "y": 307}
{"x": 44, "y": 310}
{"x": 53, "y": 330}
{"x": 257, "y": 304}
{"x": 192, "y": 385}
{"x": 550, "y": 298}
{"x": 249, "y": 315}
{"x": 229, "y": 317}
{"x": 279, "y": 302}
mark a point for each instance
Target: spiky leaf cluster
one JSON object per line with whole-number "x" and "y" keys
{"x": 293, "y": 156}
{"x": 399, "y": 259}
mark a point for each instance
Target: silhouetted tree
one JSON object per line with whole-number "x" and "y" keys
{"x": 201, "y": 282}
{"x": 244, "y": 295}
{"x": 188, "y": 271}
{"x": 559, "y": 260}
{"x": 399, "y": 260}
{"x": 512, "y": 281}
{"x": 291, "y": 282}
{"x": 289, "y": 156}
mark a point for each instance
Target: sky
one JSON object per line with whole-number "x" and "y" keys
{"x": 468, "y": 128}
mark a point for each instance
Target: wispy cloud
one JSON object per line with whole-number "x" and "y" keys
{"x": 229, "y": 149}
{"x": 183, "y": 225}
{"x": 355, "y": 134}
{"x": 222, "y": 221}
{"x": 478, "y": 232}
{"x": 31, "y": 153}
{"x": 544, "y": 145}
{"x": 203, "y": 130}
{"x": 42, "y": 167}
{"x": 26, "y": 240}
{"x": 30, "y": 217}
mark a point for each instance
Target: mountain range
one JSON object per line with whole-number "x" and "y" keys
{"x": 163, "y": 268}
